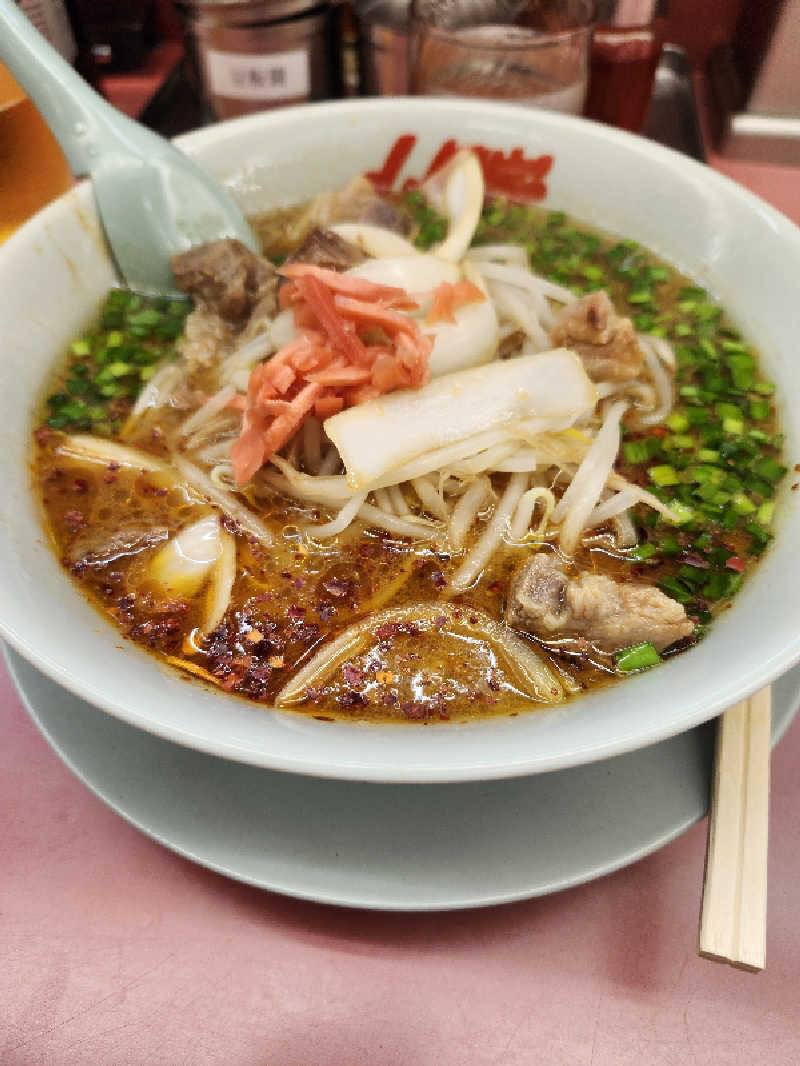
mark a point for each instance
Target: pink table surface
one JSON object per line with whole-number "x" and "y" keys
{"x": 116, "y": 952}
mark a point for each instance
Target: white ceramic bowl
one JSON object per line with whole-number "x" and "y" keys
{"x": 54, "y": 272}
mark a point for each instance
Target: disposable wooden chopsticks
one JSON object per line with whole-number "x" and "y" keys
{"x": 733, "y": 920}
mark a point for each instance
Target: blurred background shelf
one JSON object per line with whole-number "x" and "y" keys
{"x": 693, "y": 109}
{"x": 133, "y": 91}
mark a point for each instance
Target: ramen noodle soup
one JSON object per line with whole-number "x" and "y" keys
{"x": 435, "y": 454}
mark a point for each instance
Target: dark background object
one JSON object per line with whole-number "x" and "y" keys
{"x": 177, "y": 102}
{"x": 178, "y": 105}
{"x": 672, "y": 115}
{"x": 382, "y": 34}
{"x": 625, "y": 53}
{"x": 754, "y": 85}
{"x": 115, "y": 35}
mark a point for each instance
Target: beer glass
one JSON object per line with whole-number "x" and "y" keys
{"x": 33, "y": 169}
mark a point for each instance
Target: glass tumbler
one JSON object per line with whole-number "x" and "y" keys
{"x": 529, "y": 52}
{"x": 33, "y": 170}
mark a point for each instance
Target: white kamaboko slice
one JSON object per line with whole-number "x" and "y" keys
{"x": 376, "y": 241}
{"x": 184, "y": 564}
{"x": 469, "y": 341}
{"x": 385, "y": 434}
{"x": 457, "y": 192}
{"x": 416, "y": 273}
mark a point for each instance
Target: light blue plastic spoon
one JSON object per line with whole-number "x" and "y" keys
{"x": 152, "y": 199}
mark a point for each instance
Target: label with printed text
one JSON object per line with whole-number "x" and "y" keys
{"x": 258, "y": 77}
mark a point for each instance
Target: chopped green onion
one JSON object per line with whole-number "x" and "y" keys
{"x": 727, "y": 410}
{"x": 106, "y": 372}
{"x": 720, "y": 586}
{"x": 680, "y": 440}
{"x": 707, "y": 348}
{"x": 593, "y": 273}
{"x": 683, "y": 513}
{"x": 769, "y": 469}
{"x": 742, "y": 504}
{"x": 636, "y": 451}
{"x": 669, "y": 546}
{"x": 637, "y": 657}
{"x": 734, "y": 426}
{"x": 148, "y": 317}
{"x": 675, "y": 589}
{"x": 711, "y": 474}
{"x": 678, "y": 421}
{"x": 663, "y": 475}
{"x": 759, "y": 538}
{"x": 643, "y": 551}
{"x": 118, "y": 370}
{"x": 729, "y": 345}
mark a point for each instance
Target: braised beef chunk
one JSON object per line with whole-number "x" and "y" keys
{"x": 359, "y": 202}
{"x": 98, "y": 547}
{"x": 227, "y": 277}
{"x": 604, "y": 340}
{"x": 324, "y": 248}
{"x": 614, "y": 615}
{"x": 380, "y": 212}
{"x": 537, "y": 596}
{"x": 544, "y": 600}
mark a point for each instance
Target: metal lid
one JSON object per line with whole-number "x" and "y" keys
{"x": 628, "y": 12}
{"x": 393, "y": 13}
{"x": 248, "y": 11}
{"x": 565, "y": 17}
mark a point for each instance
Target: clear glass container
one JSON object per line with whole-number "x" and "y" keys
{"x": 529, "y": 52}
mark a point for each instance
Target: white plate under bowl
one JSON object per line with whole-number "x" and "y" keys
{"x": 388, "y": 847}
{"x": 54, "y": 272}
